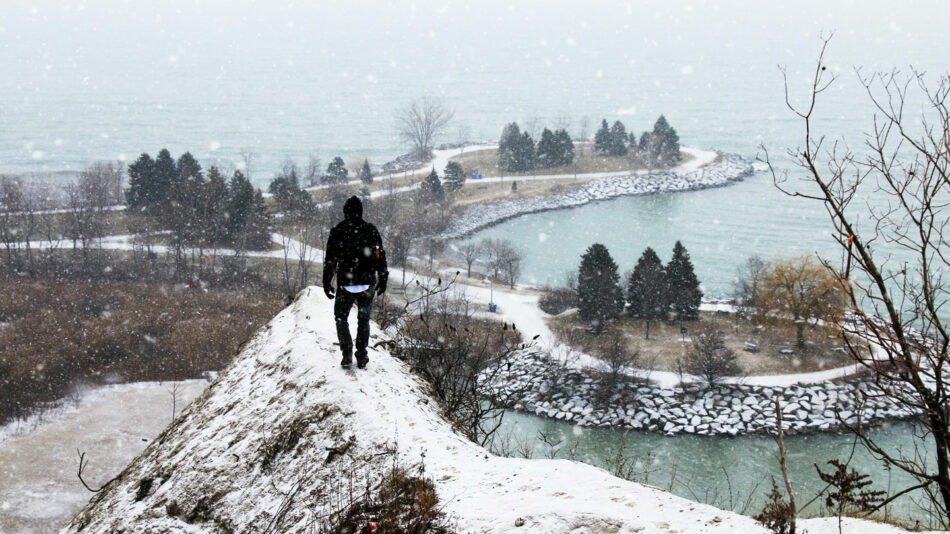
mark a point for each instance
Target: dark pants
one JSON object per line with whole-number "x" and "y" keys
{"x": 341, "y": 311}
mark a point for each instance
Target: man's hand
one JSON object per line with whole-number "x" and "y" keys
{"x": 381, "y": 285}
{"x": 328, "y": 291}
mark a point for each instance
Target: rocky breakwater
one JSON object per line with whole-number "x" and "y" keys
{"x": 536, "y": 384}
{"x": 727, "y": 168}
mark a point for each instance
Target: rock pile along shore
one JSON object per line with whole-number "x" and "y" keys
{"x": 727, "y": 168}
{"x": 536, "y": 384}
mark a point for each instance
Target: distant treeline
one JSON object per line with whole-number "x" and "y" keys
{"x": 517, "y": 151}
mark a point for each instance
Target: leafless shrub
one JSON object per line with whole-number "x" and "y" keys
{"x": 615, "y": 357}
{"x": 459, "y": 355}
{"x": 421, "y": 121}
{"x": 709, "y": 357}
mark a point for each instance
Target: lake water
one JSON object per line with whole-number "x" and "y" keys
{"x": 106, "y": 81}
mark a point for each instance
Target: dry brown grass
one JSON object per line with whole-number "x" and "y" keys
{"x": 60, "y": 334}
{"x": 586, "y": 161}
{"x": 665, "y": 345}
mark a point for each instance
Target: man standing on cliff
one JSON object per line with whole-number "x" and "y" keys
{"x": 355, "y": 255}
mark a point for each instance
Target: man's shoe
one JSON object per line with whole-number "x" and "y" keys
{"x": 361, "y": 361}
{"x": 346, "y": 362}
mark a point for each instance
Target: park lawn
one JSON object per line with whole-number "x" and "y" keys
{"x": 486, "y": 161}
{"x": 666, "y": 344}
{"x": 474, "y": 191}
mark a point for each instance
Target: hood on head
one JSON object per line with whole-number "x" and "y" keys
{"x": 353, "y": 208}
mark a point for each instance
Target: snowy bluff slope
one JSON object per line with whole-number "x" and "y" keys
{"x": 256, "y": 450}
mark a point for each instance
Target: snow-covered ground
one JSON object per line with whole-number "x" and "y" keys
{"x": 208, "y": 470}
{"x": 39, "y": 490}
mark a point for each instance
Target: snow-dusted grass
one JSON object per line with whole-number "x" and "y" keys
{"x": 207, "y": 471}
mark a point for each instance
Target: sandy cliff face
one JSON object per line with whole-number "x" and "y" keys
{"x": 260, "y": 449}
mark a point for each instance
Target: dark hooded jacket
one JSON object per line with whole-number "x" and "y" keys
{"x": 354, "y": 250}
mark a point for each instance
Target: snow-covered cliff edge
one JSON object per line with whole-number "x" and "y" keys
{"x": 255, "y": 452}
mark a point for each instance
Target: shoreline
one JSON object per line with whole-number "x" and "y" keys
{"x": 537, "y": 385}
{"x": 724, "y": 170}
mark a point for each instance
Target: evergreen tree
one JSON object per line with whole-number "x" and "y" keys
{"x": 453, "y": 176}
{"x": 240, "y": 203}
{"x": 602, "y": 138}
{"x": 549, "y": 153}
{"x": 617, "y": 140}
{"x": 166, "y": 175}
{"x": 508, "y": 146}
{"x": 647, "y": 293}
{"x": 632, "y": 142}
{"x": 525, "y": 160}
{"x": 666, "y": 143}
{"x": 645, "y": 150}
{"x": 599, "y": 295}
{"x": 289, "y": 197}
{"x": 685, "y": 295}
{"x": 257, "y": 228}
{"x": 565, "y": 147}
{"x": 432, "y": 188}
{"x": 214, "y": 213}
{"x": 141, "y": 193}
{"x": 336, "y": 172}
{"x": 366, "y": 175}
{"x": 188, "y": 166}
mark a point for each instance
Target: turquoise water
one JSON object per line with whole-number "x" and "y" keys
{"x": 732, "y": 473}
{"x": 719, "y": 227}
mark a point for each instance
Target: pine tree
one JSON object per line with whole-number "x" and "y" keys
{"x": 565, "y": 147}
{"x": 366, "y": 175}
{"x": 666, "y": 145}
{"x": 336, "y": 172}
{"x": 522, "y": 156}
{"x": 647, "y": 290}
{"x": 166, "y": 176}
{"x": 685, "y": 295}
{"x": 454, "y": 176}
{"x": 602, "y": 138}
{"x": 599, "y": 295}
{"x": 215, "y": 209}
{"x": 141, "y": 193}
{"x": 617, "y": 140}
{"x": 239, "y": 205}
{"x": 258, "y": 225}
{"x": 631, "y": 142}
{"x": 548, "y": 154}
{"x": 432, "y": 188}
{"x": 508, "y": 146}
{"x": 645, "y": 150}
{"x": 188, "y": 167}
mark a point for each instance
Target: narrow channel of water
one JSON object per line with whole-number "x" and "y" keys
{"x": 729, "y": 472}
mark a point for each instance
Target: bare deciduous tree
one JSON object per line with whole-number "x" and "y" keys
{"x": 505, "y": 258}
{"x": 747, "y": 286}
{"x": 421, "y": 121}
{"x": 471, "y": 251}
{"x": 709, "y": 357}
{"x": 888, "y": 208}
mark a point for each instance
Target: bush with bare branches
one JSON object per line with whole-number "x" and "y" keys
{"x": 458, "y": 354}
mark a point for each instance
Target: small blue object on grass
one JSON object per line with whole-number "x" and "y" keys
{"x": 492, "y": 307}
